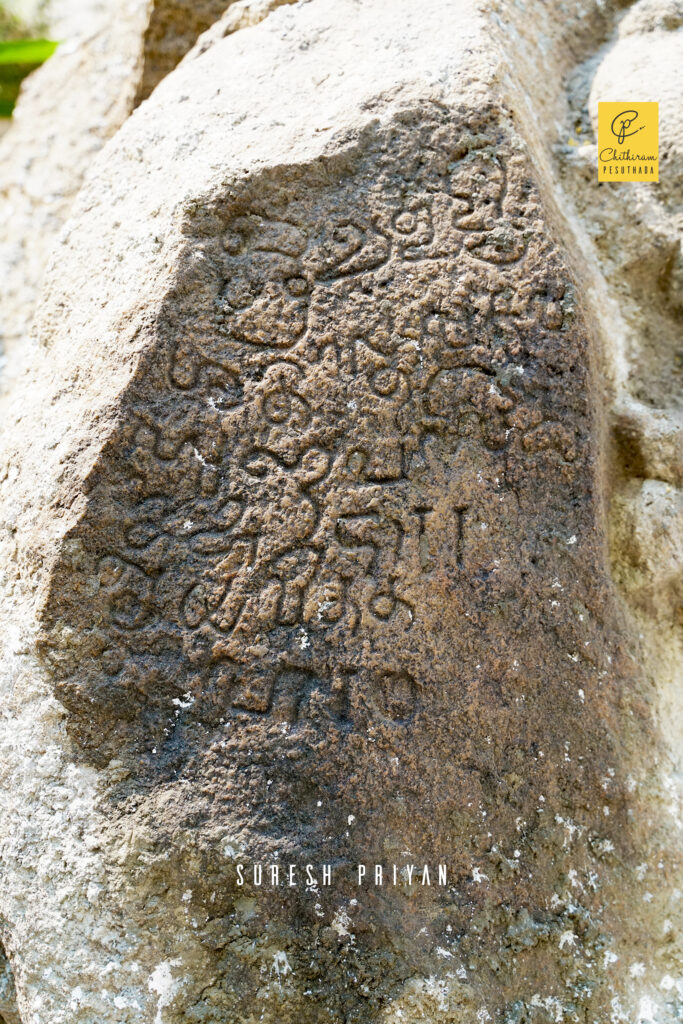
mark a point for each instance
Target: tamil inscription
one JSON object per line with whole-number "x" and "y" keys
{"x": 352, "y": 383}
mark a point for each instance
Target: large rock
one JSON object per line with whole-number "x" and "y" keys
{"x": 175, "y": 25}
{"x": 631, "y": 240}
{"x": 105, "y": 66}
{"x": 305, "y": 557}
{"x": 66, "y": 112}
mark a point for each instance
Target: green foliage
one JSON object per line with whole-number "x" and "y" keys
{"x": 18, "y": 59}
{"x": 26, "y": 51}
{"x": 19, "y": 55}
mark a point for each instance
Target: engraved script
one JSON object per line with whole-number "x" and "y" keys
{"x": 322, "y": 448}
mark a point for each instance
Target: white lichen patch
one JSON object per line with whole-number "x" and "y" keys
{"x": 281, "y": 966}
{"x": 341, "y": 923}
{"x": 433, "y": 1000}
{"x": 162, "y": 983}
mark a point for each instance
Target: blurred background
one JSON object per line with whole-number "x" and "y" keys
{"x": 24, "y": 45}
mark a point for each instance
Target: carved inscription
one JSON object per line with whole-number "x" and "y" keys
{"x": 307, "y": 449}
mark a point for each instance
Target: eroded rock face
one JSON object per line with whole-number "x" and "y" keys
{"x": 632, "y": 241}
{"x": 174, "y": 26}
{"x": 67, "y": 111}
{"x": 359, "y": 394}
{"x": 327, "y": 566}
{"x": 317, "y": 573}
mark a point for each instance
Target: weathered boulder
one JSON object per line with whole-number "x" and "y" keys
{"x": 631, "y": 241}
{"x": 105, "y": 66}
{"x": 305, "y": 558}
{"x": 66, "y": 112}
{"x": 175, "y": 25}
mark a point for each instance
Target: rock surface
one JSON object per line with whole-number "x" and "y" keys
{"x": 631, "y": 240}
{"x": 305, "y": 553}
{"x": 67, "y": 111}
{"x": 174, "y": 26}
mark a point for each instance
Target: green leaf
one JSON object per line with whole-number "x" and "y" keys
{"x": 27, "y": 51}
{"x": 17, "y": 59}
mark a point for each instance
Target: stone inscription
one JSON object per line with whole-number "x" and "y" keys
{"x": 346, "y": 378}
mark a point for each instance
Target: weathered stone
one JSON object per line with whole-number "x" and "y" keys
{"x": 631, "y": 243}
{"x": 8, "y": 996}
{"x": 240, "y": 14}
{"x": 305, "y": 555}
{"x": 174, "y": 26}
{"x": 67, "y": 111}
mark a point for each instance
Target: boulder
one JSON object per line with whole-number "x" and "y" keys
{"x": 103, "y": 69}
{"x": 305, "y": 561}
{"x": 66, "y": 112}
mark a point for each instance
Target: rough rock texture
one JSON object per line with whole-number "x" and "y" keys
{"x": 107, "y": 64}
{"x": 66, "y": 112}
{"x": 8, "y": 996}
{"x": 174, "y": 26}
{"x": 240, "y": 14}
{"x": 305, "y": 553}
{"x": 631, "y": 240}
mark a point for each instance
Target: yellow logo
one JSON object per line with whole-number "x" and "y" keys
{"x": 628, "y": 142}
